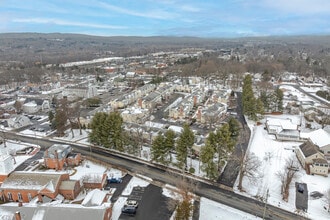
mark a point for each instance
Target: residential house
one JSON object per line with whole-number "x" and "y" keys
{"x": 321, "y": 138}
{"x": 211, "y": 114}
{"x": 80, "y": 91}
{"x": 150, "y": 101}
{"x": 134, "y": 115}
{"x": 24, "y": 186}
{"x": 312, "y": 159}
{"x": 283, "y": 129}
{"x": 18, "y": 121}
{"x": 33, "y": 105}
{"x": 57, "y": 156}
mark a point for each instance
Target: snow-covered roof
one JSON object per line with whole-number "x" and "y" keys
{"x": 52, "y": 211}
{"x": 319, "y": 137}
{"x": 175, "y": 128}
{"x": 94, "y": 198}
{"x": 32, "y": 181}
{"x": 283, "y": 123}
{"x": 308, "y": 149}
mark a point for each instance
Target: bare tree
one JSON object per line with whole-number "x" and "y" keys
{"x": 288, "y": 174}
{"x": 18, "y": 106}
{"x": 184, "y": 205}
{"x": 249, "y": 165}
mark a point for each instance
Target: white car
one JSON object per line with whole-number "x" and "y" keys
{"x": 132, "y": 203}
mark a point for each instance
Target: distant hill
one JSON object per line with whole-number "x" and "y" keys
{"x": 58, "y": 47}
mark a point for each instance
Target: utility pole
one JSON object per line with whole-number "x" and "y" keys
{"x": 267, "y": 194}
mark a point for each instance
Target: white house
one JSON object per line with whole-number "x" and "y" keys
{"x": 283, "y": 129}
{"x": 18, "y": 121}
{"x": 312, "y": 159}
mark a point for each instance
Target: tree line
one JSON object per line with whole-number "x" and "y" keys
{"x": 168, "y": 147}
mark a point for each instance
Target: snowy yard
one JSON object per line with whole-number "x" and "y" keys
{"x": 273, "y": 155}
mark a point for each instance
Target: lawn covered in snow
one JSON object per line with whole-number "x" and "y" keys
{"x": 273, "y": 154}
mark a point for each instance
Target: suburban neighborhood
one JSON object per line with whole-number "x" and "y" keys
{"x": 165, "y": 135}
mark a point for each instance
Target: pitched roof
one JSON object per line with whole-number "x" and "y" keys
{"x": 94, "y": 198}
{"x": 319, "y": 137}
{"x": 32, "y": 181}
{"x": 308, "y": 148}
{"x": 68, "y": 184}
{"x": 52, "y": 211}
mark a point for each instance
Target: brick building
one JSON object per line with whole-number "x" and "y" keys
{"x": 24, "y": 186}
{"x": 57, "y": 156}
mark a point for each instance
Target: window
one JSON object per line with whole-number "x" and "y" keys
{"x": 10, "y": 196}
{"x": 29, "y": 196}
{"x": 20, "y": 198}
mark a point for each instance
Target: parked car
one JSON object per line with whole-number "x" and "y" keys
{"x": 130, "y": 210}
{"x": 132, "y": 203}
{"x": 115, "y": 180}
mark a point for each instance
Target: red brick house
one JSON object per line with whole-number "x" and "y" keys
{"x": 24, "y": 186}
{"x": 70, "y": 189}
{"x": 57, "y": 156}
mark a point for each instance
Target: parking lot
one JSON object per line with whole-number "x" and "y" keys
{"x": 152, "y": 204}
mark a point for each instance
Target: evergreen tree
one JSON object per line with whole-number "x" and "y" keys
{"x": 96, "y": 126}
{"x": 207, "y": 158}
{"x": 157, "y": 153}
{"x": 265, "y": 100}
{"x": 234, "y": 127}
{"x": 279, "y": 99}
{"x": 60, "y": 121}
{"x": 114, "y": 124}
{"x": 51, "y": 116}
{"x": 169, "y": 143}
{"x": 260, "y": 107}
{"x": 184, "y": 145}
{"x": 224, "y": 144}
{"x": 107, "y": 130}
{"x": 248, "y": 99}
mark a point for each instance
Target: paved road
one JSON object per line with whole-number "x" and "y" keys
{"x": 203, "y": 188}
{"x": 308, "y": 94}
{"x": 230, "y": 173}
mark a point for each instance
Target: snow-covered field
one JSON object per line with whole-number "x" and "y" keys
{"x": 210, "y": 210}
{"x": 273, "y": 155}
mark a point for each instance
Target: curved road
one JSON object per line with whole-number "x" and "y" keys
{"x": 203, "y": 188}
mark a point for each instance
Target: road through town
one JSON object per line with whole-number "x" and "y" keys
{"x": 169, "y": 176}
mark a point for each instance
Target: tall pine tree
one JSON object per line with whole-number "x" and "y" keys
{"x": 248, "y": 99}
{"x": 184, "y": 146}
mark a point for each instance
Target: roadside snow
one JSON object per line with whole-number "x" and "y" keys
{"x": 210, "y": 210}
{"x": 273, "y": 154}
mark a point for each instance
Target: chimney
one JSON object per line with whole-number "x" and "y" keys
{"x": 17, "y": 215}
{"x": 57, "y": 161}
{"x": 140, "y": 102}
{"x": 40, "y": 198}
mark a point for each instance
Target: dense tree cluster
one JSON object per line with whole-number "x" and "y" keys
{"x": 107, "y": 130}
{"x": 272, "y": 102}
{"x": 218, "y": 146}
{"x": 162, "y": 146}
